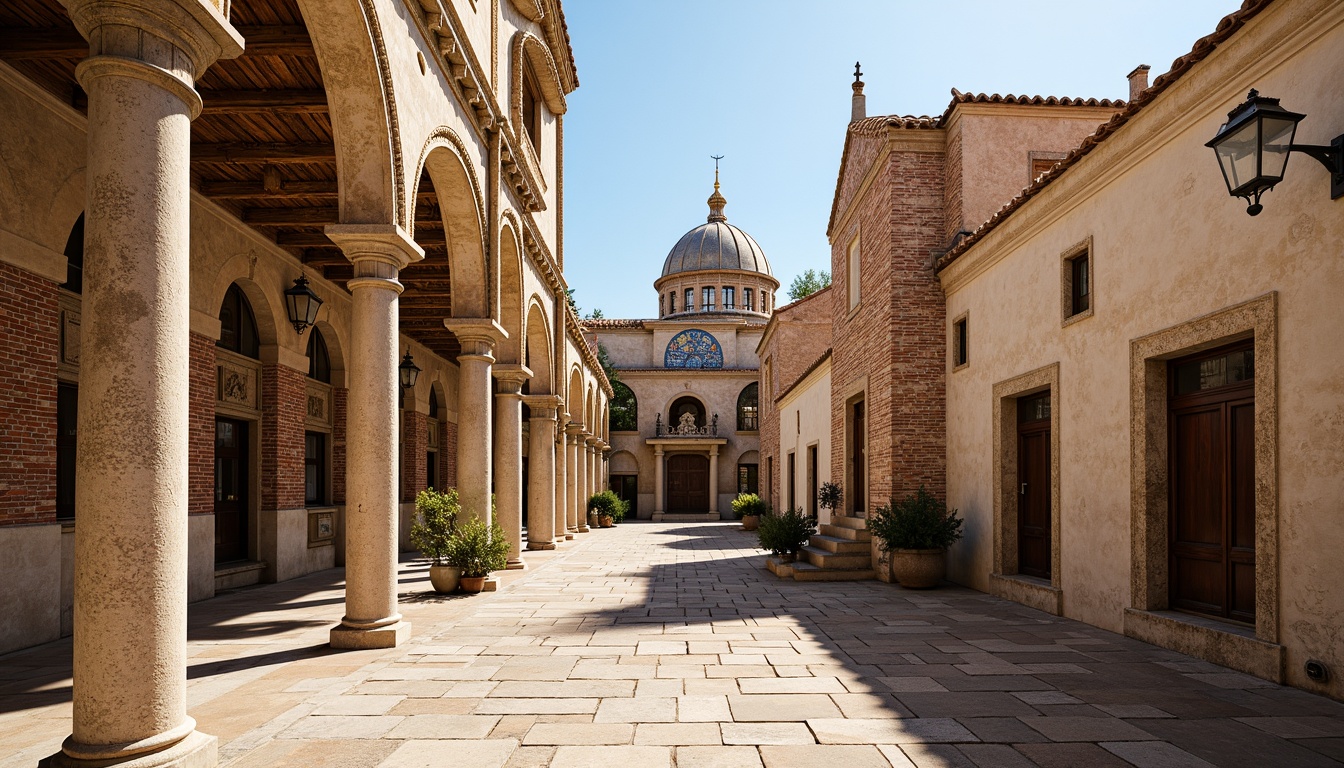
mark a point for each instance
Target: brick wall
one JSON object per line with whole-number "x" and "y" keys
{"x": 448, "y": 453}
{"x": 952, "y": 197}
{"x": 414, "y": 445}
{"x": 201, "y": 440}
{"x": 29, "y": 338}
{"x": 284, "y": 403}
{"x": 340, "y": 398}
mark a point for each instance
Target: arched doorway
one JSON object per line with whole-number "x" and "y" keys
{"x": 687, "y": 484}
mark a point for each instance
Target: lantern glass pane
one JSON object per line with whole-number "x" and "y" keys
{"x": 1238, "y": 156}
{"x": 314, "y": 304}
{"x": 1278, "y": 137}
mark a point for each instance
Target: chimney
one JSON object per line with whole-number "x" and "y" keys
{"x": 1138, "y": 81}
{"x": 859, "y": 108}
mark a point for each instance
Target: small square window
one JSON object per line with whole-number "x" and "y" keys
{"x": 748, "y": 300}
{"x": 707, "y": 299}
{"x": 689, "y": 304}
{"x": 729, "y": 297}
{"x": 1076, "y": 282}
{"x": 961, "y": 342}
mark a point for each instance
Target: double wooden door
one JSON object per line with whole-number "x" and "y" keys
{"x": 687, "y": 484}
{"x": 1211, "y": 423}
{"x": 231, "y": 484}
{"x": 1033, "y": 478}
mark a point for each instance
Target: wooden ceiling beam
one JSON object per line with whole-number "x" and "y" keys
{"x": 278, "y": 100}
{"x": 65, "y": 43}
{"x": 255, "y": 190}
{"x": 291, "y": 217}
{"x": 262, "y": 153}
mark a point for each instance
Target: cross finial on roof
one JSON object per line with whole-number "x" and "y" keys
{"x": 716, "y": 200}
{"x": 716, "y": 159}
{"x": 858, "y": 73}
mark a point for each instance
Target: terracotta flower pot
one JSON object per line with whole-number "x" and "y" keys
{"x": 444, "y": 578}
{"x": 605, "y": 521}
{"x": 472, "y": 584}
{"x": 918, "y": 568}
{"x": 751, "y": 522}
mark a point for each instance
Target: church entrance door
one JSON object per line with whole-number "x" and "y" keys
{"x": 687, "y": 484}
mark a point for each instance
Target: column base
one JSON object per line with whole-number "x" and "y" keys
{"x": 541, "y": 545}
{"x": 197, "y": 750}
{"x": 350, "y": 639}
{"x": 516, "y": 565}
{"x": 583, "y": 528}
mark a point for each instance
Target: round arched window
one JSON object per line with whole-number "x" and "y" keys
{"x": 748, "y": 408}
{"x": 685, "y": 405}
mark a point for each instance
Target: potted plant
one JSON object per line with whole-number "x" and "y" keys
{"x": 785, "y": 534}
{"x": 748, "y": 507}
{"x": 916, "y": 532}
{"x": 432, "y": 533}
{"x": 478, "y": 549}
{"x": 828, "y": 498}
{"x": 605, "y": 505}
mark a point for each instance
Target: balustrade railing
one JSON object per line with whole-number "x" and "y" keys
{"x": 686, "y": 428}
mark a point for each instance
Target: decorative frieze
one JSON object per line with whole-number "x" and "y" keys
{"x": 237, "y": 380}
{"x": 318, "y": 405}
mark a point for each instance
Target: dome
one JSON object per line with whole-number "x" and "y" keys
{"x": 716, "y": 244}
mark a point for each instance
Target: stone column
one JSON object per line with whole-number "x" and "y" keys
{"x": 541, "y": 484}
{"x": 372, "y": 513}
{"x": 563, "y": 497}
{"x": 713, "y": 479}
{"x": 130, "y": 585}
{"x": 594, "y": 465}
{"x": 509, "y": 457}
{"x": 477, "y": 337}
{"x": 605, "y": 464}
{"x": 576, "y": 512}
{"x": 585, "y": 478}
{"x": 658, "y": 457}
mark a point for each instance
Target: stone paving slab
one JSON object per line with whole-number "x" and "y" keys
{"x": 668, "y": 644}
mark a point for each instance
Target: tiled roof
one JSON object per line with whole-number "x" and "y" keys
{"x": 875, "y": 126}
{"x": 605, "y": 323}
{"x": 1202, "y": 48}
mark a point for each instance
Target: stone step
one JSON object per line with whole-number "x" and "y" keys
{"x": 840, "y": 545}
{"x": 851, "y": 534}
{"x": 855, "y": 523}
{"x": 810, "y": 572}
{"x": 831, "y": 560}
{"x": 710, "y": 517}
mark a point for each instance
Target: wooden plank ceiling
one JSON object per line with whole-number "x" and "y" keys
{"x": 262, "y": 147}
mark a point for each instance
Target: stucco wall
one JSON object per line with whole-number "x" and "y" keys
{"x": 804, "y": 420}
{"x": 1170, "y": 246}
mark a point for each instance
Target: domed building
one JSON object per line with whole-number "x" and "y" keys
{"x": 685, "y": 418}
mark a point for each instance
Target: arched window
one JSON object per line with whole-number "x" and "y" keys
{"x": 433, "y": 404}
{"x": 319, "y": 362}
{"x": 237, "y": 324}
{"x": 683, "y": 405}
{"x": 532, "y": 107}
{"x": 624, "y": 409}
{"x": 671, "y": 302}
{"x": 74, "y": 258}
{"x": 748, "y": 408}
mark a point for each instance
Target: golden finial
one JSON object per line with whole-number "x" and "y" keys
{"x": 716, "y": 200}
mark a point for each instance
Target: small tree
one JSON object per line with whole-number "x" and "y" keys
{"x": 785, "y": 534}
{"x": 919, "y": 521}
{"x": 479, "y": 549}
{"x": 435, "y": 522}
{"x": 829, "y": 497}
{"x": 808, "y": 283}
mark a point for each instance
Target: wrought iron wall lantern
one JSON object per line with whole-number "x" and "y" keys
{"x": 301, "y": 304}
{"x": 409, "y": 371}
{"x": 1253, "y": 147}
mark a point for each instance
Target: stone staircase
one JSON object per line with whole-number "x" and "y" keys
{"x": 840, "y": 551}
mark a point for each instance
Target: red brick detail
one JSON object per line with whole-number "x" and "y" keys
{"x": 897, "y": 339}
{"x": 284, "y": 399}
{"x": 448, "y": 453}
{"x": 340, "y": 398}
{"x": 952, "y": 192}
{"x": 29, "y": 343}
{"x": 201, "y": 441}
{"x": 414, "y": 446}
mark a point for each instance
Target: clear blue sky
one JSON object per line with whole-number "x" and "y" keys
{"x": 664, "y": 85}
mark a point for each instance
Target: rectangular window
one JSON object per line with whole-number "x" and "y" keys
{"x": 729, "y": 297}
{"x": 748, "y": 300}
{"x": 532, "y": 108}
{"x": 432, "y": 469}
{"x": 662, "y": 304}
{"x": 671, "y": 302}
{"x": 707, "y": 299}
{"x": 812, "y": 480}
{"x": 852, "y": 275}
{"x": 961, "y": 340}
{"x": 858, "y": 459}
{"x": 689, "y": 304}
{"x": 769, "y": 478}
{"x": 67, "y": 418}
{"x": 793, "y": 476}
{"x": 746, "y": 478}
{"x": 315, "y": 468}
{"x": 1080, "y": 283}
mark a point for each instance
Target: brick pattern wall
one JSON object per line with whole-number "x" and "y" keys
{"x": 284, "y": 401}
{"x": 952, "y": 196}
{"x": 340, "y": 399}
{"x": 414, "y": 445}
{"x": 29, "y": 338}
{"x": 769, "y": 414}
{"x": 201, "y": 441}
{"x": 448, "y": 453}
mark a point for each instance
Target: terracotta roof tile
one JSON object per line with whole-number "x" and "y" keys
{"x": 614, "y": 323}
{"x": 1202, "y": 48}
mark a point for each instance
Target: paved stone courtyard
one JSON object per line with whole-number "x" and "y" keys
{"x": 668, "y": 644}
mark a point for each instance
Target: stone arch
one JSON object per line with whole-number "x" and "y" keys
{"x": 623, "y": 463}
{"x": 537, "y": 349}
{"x": 239, "y": 269}
{"x": 438, "y": 396}
{"x": 335, "y": 351}
{"x": 590, "y": 410}
{"x": 348, "y": 41}
{"x": 511, "y": 304}
{"x": 574, "y": 395}
{"x": 529, "y": 48}
{"x": 670, "y": 418}
{"x": 462, "y": 208}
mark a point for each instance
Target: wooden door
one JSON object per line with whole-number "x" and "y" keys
{"x": 1212, "y": 485}
{"x": 687, "y": 484}
{"x": 1033, "y": 478}
{"x": 231, "y": 484}
{"x": 859, "y": 459}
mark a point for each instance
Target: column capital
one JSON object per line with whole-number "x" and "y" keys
{"x": 657, "y": 450}
{"x": 511, "y": 377}
{"x": 197, "y": 29}
{"x": 477, "y": 335}
{"x": 543, "y": 407}
{"x": 591, "y": 441}
{"x": 574, "y": 430}
{"x": 387, "y": 244}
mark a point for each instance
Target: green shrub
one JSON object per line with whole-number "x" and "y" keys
{"x": 919, "y": 521}
{"x": 750, "y": 504}
{"x": 435, "y": 521}
{"x": 478, "y": 549}
{"x": 785, "y": 533}
{"x": 606, "y": 503}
